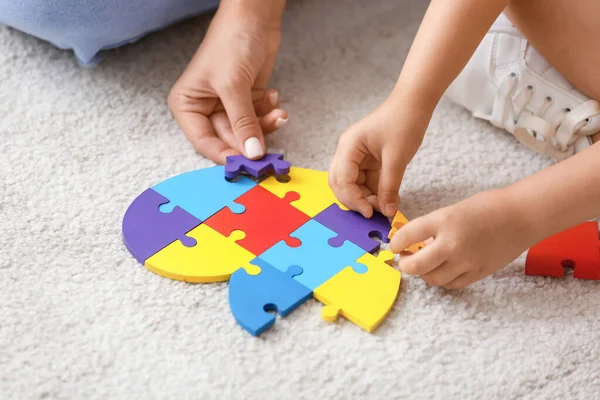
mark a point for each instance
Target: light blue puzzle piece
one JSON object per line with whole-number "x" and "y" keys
{"x": 319, "y": 261}
{"x": 252, "y": 296}
{"x": 203, "y": 192}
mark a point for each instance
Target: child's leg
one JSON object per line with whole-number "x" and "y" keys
{"x": 515, "y": 85}
{"x": 567, "y": 34}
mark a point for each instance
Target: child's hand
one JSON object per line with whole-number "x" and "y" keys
{"x": 220, "y": 101}
{"x": 471, "y": 240}
{"x": 367, "y": 168}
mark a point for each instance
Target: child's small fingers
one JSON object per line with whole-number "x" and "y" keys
{"x": 425, "y": 261}
{"x": 353, "y": 196}
{"x": 413, "y": 232}
{"x": 274, "y": 120}
{"x": 463, "y": 280}
{"x": 372, "y": 182}
{"x": 349, "y": 193}
{"x": 392, "y": 171}
{"x": 444, "y": 274}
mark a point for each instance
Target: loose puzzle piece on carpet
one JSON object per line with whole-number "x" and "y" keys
{"x": 251, "y": 297}
{"x": 265, "y": 237}
{"x": 577, "y": 248}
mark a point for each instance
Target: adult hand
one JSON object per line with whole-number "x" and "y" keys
{"x": 221, "y": 102}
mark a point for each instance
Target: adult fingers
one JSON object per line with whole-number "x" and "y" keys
{"x": 222, "y": 126}
{"x": 268, "y": 102}
{"x": 237, "y": 100}
{"x": 274, "y": 120}
{"x": 199, "y": 130}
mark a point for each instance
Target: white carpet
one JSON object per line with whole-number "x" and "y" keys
{"x": 81, "y": 319}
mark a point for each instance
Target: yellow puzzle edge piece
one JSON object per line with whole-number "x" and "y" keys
{"x": 214, "y": 258}
{"x": 398, "y": 222}
{"x": 364, "y": 299}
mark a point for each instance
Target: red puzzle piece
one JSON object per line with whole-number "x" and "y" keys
{"x": 267, "y": 220}
{"x": 577, "y": 247}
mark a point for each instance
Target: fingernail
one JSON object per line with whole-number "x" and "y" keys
{"x": 273, "y": 97}
{"x": 280, "y": 122}
{"x": 253, "y": 148}
{"x": 390, "y": 209}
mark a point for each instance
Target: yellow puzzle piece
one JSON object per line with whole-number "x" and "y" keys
{"x": 312, "y": 186}
{"x": 214, "y": 257}
{"x": 365, "y": 299}
{"x": 398, "y": 222}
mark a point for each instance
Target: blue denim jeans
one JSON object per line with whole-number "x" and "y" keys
{"x": 88, "y": 26}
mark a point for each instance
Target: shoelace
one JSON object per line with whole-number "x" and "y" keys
{"x": 552, "y": 135}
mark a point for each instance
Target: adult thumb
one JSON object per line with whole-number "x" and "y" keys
{"x": 244, "y": 122}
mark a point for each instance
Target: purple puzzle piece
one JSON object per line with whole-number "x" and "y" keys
{"x": 146, "y": 230}
{"x": 270, "y": 163}
{"x": 352, "y": 226}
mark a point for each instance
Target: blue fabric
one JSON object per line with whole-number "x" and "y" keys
{"x": 88, "y": 26}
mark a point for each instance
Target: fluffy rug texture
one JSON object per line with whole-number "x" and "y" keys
{"x": 81, "y": 319}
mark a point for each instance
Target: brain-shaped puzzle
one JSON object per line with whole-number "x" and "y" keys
{"x": 279, "y": 240}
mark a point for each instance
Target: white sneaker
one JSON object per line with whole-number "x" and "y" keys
{"x": 508, "y": 83}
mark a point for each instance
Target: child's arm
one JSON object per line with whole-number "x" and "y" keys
{"x": 478, "y": 236}
{"x": 447, "y": 38}
{"x": 388, "y": 138}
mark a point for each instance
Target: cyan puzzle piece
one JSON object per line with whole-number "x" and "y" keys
{"x": 203, "y": 192}
{"x": 252, "y": 296}
{"x": 146, "y": 230}
{"x": 318, "y": 260}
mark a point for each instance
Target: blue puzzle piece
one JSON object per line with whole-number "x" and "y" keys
{"x": 319, "y": 261}
{"x": 251, "y": 296}
{"x": 203, "y": 192}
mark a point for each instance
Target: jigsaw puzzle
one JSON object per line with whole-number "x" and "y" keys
{"x": 280, "y": 239}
